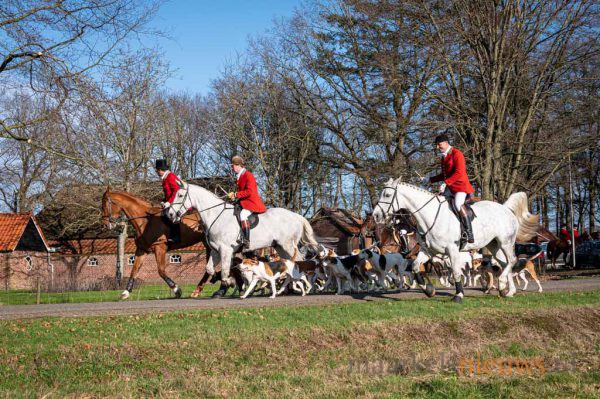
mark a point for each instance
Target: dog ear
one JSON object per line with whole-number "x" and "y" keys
{"x": 250, "y": 262}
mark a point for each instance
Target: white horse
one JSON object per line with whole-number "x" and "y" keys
{"x": 495, "y": 227}
{"x": 278, "y": 227}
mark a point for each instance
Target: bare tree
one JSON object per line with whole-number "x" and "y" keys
{"x": 184, "y": 134}
{"x": 46, "y": 45}
{"x": 256, "y": 117}
{"x": 28, "y": 174}
{"x": 503, "y": 65}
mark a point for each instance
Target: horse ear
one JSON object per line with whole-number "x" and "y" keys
{"x": 389, "y": 181}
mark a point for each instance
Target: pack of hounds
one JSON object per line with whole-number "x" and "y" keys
{"x": 366, "y": 270}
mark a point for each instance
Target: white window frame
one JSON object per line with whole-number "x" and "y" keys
{"x": 175, "y": 259}
{"x": 93, "y": 261}
{"x": 28, "y": 263}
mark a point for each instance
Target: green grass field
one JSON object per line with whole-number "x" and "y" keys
{"x": 311, "y": 351}
{"x": 159, "y": 291}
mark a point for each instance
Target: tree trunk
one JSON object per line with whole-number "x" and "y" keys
{"x": 545, "y": 218}
{"x": 592, "y": 208}
{"x": 121, "y": 253}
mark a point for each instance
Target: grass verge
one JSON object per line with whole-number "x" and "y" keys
{"x": 159, "y": 291}
{"x": 312, "y": 351}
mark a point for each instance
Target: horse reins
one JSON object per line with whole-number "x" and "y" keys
{"x": 126, "y": 218}
{"x": 397, "y": 212}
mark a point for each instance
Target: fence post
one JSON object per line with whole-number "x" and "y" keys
{"x": 39, "y": 290}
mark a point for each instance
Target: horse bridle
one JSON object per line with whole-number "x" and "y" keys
{"x": 179, "y": 214}
{"x": 121, "y": 218}
{"x": 397, "y": 212}
{"x": 110, "y": 217}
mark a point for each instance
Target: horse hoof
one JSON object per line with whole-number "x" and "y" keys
{"x": 457, "y": 299}
{"x": 125, "y": 295}
{"x": 195, "y": 293}
{"x": 503, "y": 293}
{"x": 218, "y": 294}
{"x": 429, "y": 290}
{"x": 177, "y": 291}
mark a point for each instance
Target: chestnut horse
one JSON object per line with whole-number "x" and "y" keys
{"x": 151, "y": 234}
{"x": 390, "y": 238}
{"x": 558, "y": 246}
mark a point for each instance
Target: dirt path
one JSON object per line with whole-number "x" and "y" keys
{"x": 168, "y": 305}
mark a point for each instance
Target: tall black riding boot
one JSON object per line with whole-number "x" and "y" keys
{"x": 245, "y": 233}
{"x": 174, "y": 234}
{"x": 466, "y": 222}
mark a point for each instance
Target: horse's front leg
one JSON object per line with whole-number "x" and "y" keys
{"x": 226, "y": 280}
{"x": 160, "y": 252}
{"x": 213, "y": 260}
{"x": 506, "y": 276}
{"x": 427, "y": 288}
{"x": 458, "y": 274}
{"x": 139, "y": 259}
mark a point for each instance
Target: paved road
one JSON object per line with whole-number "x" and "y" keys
{"x": 167, "y": 305}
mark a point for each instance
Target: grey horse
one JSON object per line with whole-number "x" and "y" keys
{"x": 278, "y": 228}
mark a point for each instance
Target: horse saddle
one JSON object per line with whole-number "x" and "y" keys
{"x": 470, "y": 211}
{"x": 253, "y": 218}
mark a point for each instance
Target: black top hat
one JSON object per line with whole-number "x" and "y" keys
{"x": 441, "y": 138}
{"x": 162, "y": 164}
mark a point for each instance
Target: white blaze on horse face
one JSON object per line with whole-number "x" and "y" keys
{"x": 178, "y": 207}
{"x": 385, "y": 205}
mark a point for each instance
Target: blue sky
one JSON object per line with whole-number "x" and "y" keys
{"x": 207, "y": 34}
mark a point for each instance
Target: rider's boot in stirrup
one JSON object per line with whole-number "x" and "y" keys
{"x": 245, "y": 234}
{"x": 466, "y": 222}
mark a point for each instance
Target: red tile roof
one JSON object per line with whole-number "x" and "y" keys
{"x": 12, "y": 227}
{"x": 100, "y": 246}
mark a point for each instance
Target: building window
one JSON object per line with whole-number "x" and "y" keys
{"x": 28, "y": 263}
{"x": 131, "y": 260}
{"x": 175, "y": 258}
{"x": 92, "y": 262}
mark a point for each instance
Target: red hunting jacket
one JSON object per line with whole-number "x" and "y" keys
{"x": 247, "y": 193}
{"x": 454, "y": 173}
{"x": 170, "y": 184}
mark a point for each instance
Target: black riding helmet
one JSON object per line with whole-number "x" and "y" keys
{"x": 162, "y": 164}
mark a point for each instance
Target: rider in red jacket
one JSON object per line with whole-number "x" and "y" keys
{"x": 170, "y": 184}
{"x": 454, "y": 175}
{"x": 247, "y": 195}
{"x": 564, "y": 233}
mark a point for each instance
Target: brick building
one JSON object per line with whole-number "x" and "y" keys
{"x": 91, "y": 264}
{"x": 24, "y": 256}
{"x": 27, "y": 259}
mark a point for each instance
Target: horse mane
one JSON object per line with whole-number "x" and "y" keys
{"x": 215, "y": 196}
{"x": 417, "y": 188}
{"x": 133, "y": 198}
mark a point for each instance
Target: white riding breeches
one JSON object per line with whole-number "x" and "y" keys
{"x": 245, "y": 214}
{"x": 459, "y": 198}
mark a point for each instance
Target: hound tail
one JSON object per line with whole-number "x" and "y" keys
{"x": 308, "y": 236}
{"x": 528, "y": 223}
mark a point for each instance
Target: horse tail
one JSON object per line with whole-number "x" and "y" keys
{"x": 308, "y": 236}
{"x": 528, "y": 223}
